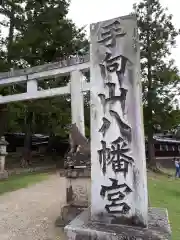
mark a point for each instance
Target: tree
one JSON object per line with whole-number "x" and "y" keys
{"x": 13, "y": 14}
{"x": 46, "y": 35}
{"x": 159, "y": 74}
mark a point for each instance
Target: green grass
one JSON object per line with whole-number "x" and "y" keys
{"x": 164, "y": 192}
{"x": 21, "y": 181}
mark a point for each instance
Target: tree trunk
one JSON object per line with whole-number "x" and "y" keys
{"x": 151, "y": 152}
{"x": 50, "y": 143}
{"x": 3, "y": 118}
{"x": 26, "y": 158}
{"x": 10, "y": 38}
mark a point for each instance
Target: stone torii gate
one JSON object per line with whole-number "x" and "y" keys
{"x": 74, "y": 66}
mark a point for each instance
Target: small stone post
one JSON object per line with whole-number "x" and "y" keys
{"x": 3, "y": 154}
{"x": 119, "y": 199}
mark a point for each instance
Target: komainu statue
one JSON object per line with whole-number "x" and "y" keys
{"x": 79, "y": 154}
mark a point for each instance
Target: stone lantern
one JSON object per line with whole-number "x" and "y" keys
{"x": 3, "y": 153}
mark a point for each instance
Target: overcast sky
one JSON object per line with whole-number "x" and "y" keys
{"x": 84, "y": 12}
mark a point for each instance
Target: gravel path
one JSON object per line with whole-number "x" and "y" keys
{"x": 30, "y": 213}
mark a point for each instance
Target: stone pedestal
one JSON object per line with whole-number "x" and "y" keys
{"x": 82, "y": 228}
{"x": 78, "y": 197}
{"x": 4, "y": 175}
{"x": 78, "y": 187}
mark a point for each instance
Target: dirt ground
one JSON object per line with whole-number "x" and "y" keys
{"x": 30, "y": 213}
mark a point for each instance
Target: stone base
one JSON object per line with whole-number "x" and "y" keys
{"x": 78, "y": 185}
{"x": 68, "y": 213}
{"x": 4, "y": 175}
{"x": 82, "y": 228}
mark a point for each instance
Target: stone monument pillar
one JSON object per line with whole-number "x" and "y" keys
{"x": 117, "y": 137}
{"x": 119, "y": 199}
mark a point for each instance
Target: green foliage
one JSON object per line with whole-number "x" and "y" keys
{"x": 164, "y": 192}
{"x": 12, "y": 11}
{"x": 47, "y": 35}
